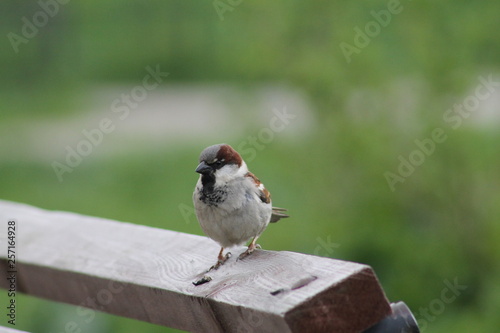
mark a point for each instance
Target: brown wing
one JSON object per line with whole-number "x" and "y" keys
{"x": 264, "y": 194}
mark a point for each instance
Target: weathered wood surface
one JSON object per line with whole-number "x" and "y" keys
{"x": 10, "y": 330}
{"x": 147, "y": 273}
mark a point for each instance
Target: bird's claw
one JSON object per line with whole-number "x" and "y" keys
{"x": 249, "y": 251}
{"x": 220, "y": 262}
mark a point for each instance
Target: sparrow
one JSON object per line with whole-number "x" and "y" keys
{"x": 231, "y": 203}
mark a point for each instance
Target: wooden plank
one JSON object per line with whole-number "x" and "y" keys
{"x": 4, "y": 329}
{"x": 147, "y": 273}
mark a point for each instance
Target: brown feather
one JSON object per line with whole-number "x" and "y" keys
{"x": 230, "y": 155}
{"x": 264, "y": 194}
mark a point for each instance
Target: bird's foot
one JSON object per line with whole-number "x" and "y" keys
{"x": 249, "y": 251}
{"x": 222, "y": 259}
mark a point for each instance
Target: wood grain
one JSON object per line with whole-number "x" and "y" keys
{"x": 4, "y": 329}
{"x": 147, "y": 273}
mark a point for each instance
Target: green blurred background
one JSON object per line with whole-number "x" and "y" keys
{"x": 228, "y": 74}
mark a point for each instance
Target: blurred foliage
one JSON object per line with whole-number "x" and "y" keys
{"x": 440, "y": 224}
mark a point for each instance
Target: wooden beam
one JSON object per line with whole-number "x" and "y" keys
{"x": 147, "y": 273}
{"x": 4, "y": 329}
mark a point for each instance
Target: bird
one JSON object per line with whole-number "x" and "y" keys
{"x": 231, "y": 203}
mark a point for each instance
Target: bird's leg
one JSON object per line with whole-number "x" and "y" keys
{"x": 251, "y": 247}
{"x": 221, "y": 259}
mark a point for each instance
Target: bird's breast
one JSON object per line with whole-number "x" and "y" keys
{"x": 213, "y": 196}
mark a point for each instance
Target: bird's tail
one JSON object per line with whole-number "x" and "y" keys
{"x": 278, "y": 214}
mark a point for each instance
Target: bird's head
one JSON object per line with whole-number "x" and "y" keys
{"x": 220, "y": 163}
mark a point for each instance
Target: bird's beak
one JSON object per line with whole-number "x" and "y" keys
{"x": 203, "y": 168}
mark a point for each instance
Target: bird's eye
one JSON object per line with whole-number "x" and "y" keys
{"x": 216, "y": 163}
